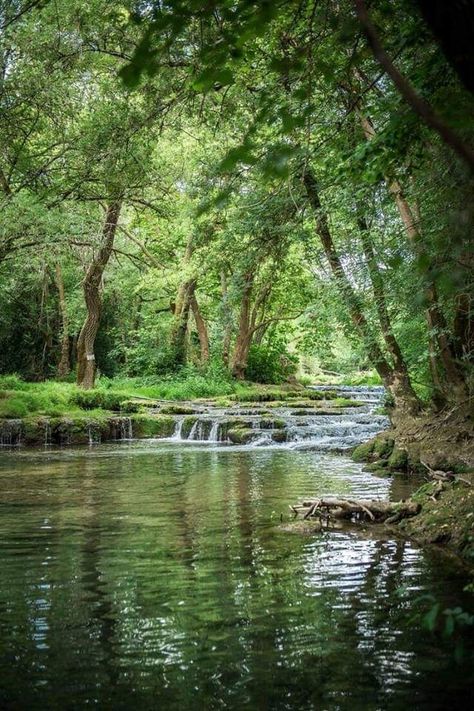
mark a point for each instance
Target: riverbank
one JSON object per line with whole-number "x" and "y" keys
{"x": 442, "y": 441}
{"x": 254, "y": 412}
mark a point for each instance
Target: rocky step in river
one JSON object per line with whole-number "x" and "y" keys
{"x": 331, "y": 428}
{"x": 296, "y": 423}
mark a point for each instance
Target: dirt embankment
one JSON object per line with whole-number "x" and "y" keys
{"x": 444, "y": 441}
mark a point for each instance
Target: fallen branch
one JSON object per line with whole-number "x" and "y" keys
{"x": 372, "y": 510}
{"x": 439, "y": 475}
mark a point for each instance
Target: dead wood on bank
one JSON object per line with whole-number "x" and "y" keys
{"x": 370, "y": 510}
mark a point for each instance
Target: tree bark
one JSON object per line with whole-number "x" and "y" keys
{"x": 244, "y": 336}
{"x": 201, "y": 329}
{"x": 64, "y": 367}
{"x": 227, "y": 321}
{"x": 180, "y": 329}
{"x": 442, "y": 356}
{"x": 86, "y": 365}
{"x": 390, "y": 379}
{"x": 400, "y": 368}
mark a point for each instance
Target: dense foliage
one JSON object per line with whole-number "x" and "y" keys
{"x": 236, "y": 188}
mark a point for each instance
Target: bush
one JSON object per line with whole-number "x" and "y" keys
{"x": 269, "y": 364}
{"x": 103, "y": 399}
{"x": 13, "y": 408}
{"x": 13, "y": 382}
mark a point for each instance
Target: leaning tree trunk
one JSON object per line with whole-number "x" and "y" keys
{"x": 361, "y": 325}
{"x": 442, "y": 355}
{"x": 64, "y": 367}
{"x": 201, "y": 329}
{"x": 86, "y": 366}
{"x": 227, "y": 321}
{"x": 400, "y": 369}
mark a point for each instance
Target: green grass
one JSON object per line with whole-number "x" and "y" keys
{"x": 367, "y": 377}
{"x": 52, "y": 398}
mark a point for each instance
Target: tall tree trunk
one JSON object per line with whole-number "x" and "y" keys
{"x": 442, "y": 356}
{"x": 86, "y": 366}
{"x": 399, "y": 366}
{"x": 181, "y": 295}
{"x": 64, "y": 367}
{"x": 180, "y": 328}
{"x": 244, "y": 335}
{"x": 201, "y": 329}
{"x": 390, "y": 379}
{"x": 227, "y": 319}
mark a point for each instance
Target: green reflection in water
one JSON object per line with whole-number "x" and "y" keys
{"x": 152, "y": 576}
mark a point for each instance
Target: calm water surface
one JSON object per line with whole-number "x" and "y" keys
{"x": 152, "y": 576}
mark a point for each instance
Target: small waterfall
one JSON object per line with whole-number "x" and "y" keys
{"x": 193, "y": 431}
{"x": 214, "y": 432}
{"x": 178, "y": 430}
{"x": 47, "y": 433}
{"x": 126, "y": 430}
{"x": 93, "y": 432}
{"x": 320, "y": 427}
{"x": 10, "y": 433}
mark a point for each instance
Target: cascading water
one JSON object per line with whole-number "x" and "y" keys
{"x": 126, "y": 430}
{"x": 10, "y": 433}
{"x": 310, "y": 428}
{"x": 47, "y": 433}
{"x": 214, "y": 432}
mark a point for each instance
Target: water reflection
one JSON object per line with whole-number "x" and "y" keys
{"x": 141, "y": 576}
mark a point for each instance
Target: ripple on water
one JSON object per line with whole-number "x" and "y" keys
{"x": 150, "y": 575}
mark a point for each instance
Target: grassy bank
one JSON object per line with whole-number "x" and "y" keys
{"x": 19, "y": 399}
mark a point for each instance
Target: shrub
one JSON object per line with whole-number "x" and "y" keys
{"x": 13, "y": 408}
{"x": 103, "y": 399}
{"x": 269, "y": 364}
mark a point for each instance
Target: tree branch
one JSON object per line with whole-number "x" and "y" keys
{"x": 416, "y": 102}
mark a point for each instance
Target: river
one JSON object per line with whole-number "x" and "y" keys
{"x": 154, "y": 575}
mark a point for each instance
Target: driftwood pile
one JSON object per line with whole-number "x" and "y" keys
{"x": 374, "y": 511}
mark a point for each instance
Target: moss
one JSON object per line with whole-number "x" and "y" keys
{"x": 363, "y": 452}
{"x": 241, "y": 435}
{"x": 188, "y": 423}
{"x": 446, "y": 520}
{"x": 383, "y": 447}
{"x": 177, "y": 410}
{"x": 379, "y": 465}
{"x": 153, "y": 426}
{"x": 279, "y": 435}
{"x": 132, "y": 406}
{"x": 398, "y": 460}
{"x": 272, "y": 424}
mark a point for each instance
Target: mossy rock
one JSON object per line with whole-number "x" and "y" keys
{"x": 272, "y": 424}
{"x": 153, "y": 426}
{"x": 279, "y": 436}
{"x": 177, "y": 410}
{"x": 383, "y": 447}
{"x": 188, "y": 423}
{"x": 240, "y": 435}
{"x": 398, "y": 460}
{"x": 363, "y": 453}
{"x": 133, "y": 406}
{"x": 307, "y": 405}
